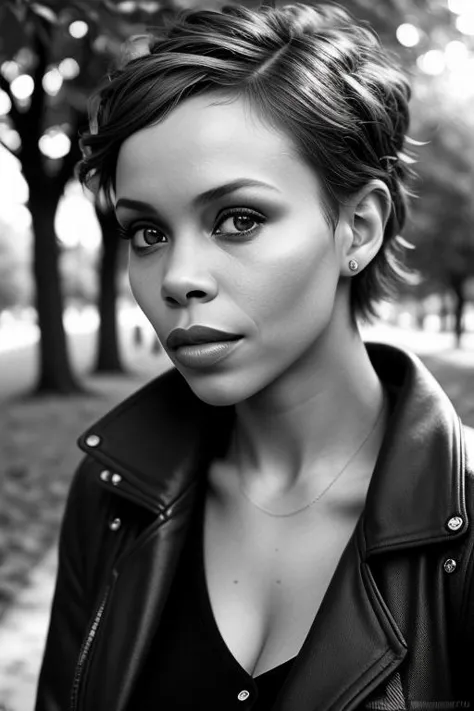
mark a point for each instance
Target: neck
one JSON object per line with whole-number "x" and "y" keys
{"x": 299, "y": 432}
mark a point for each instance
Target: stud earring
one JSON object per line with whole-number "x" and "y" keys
{"x": 353, "y": 265}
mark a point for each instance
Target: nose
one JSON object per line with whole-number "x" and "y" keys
{"x": 187, "y": 277}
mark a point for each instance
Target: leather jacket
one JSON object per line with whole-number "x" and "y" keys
{"x": 395, "y": 629}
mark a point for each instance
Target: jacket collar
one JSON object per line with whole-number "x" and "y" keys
{"x": 162, "y": 436}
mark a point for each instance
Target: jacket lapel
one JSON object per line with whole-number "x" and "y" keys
{"x": 352, "y": 646}
{"x": 418, "y": 482}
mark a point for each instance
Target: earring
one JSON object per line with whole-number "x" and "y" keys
{"x": 353, "y": 265}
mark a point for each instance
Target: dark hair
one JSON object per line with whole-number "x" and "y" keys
{"x": 312, "y": 72}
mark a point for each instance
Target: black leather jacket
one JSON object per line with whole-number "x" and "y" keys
{"x": 396, "y": 627}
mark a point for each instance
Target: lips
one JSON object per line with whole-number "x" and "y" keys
{"x": 197, "y": 335}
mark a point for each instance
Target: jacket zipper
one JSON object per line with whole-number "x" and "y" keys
{"x": 85, "y": 648}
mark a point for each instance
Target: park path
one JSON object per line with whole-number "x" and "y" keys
{"x": 23, "y": 628}
{"x": 22, "y": 635}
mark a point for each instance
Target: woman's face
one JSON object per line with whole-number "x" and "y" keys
{"x": 228, "y": 231}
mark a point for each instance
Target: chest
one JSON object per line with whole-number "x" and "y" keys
{"x": 266, "y": 578}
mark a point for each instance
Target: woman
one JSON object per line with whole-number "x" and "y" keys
{"x": 281, "y": 521}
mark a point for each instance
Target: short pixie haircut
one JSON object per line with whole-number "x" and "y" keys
{"x": 310, "y": 71}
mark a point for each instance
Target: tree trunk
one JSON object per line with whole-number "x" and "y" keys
{"x": 459, "y": 307}
{"x": 55, "y": 373}
{"x": 444, "y": 312}
{"x": 108, "y": 351}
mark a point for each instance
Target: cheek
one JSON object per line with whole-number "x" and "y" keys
{"x": 295, "y": 281}
{"x": 145, "y": 287}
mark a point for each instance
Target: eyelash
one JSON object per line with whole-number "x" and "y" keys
{"x": 129, "y": 231}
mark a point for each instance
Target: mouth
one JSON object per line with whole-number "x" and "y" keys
{"x": 198, "y": 335}
{"x": 200, "y": 347}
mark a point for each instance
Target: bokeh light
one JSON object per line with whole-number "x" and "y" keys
{"x": 408, "y": 35}
{"x": 101, "y": 43}
{"x": 5, "y": 103}
{"x": 54, "y": 143}
{"x": 22, "y": 86}
{"x": 69, "y": 68}
{"x": 150, "y": 6}
{"x": 456, "y": 55}
{"x": 52, "y": 82}
{"x": 76, "y": 222}
{"x": 78, "y": 29}
{"x": 10, "y": 70}
{"x": 460, "y": 7}
{"x": 127, "y": 6}
{"x": 10, "y": 137}
{"x": 13, "y": 186}
{"x": 432, "y": 62}
{"x": 465, "y": 23}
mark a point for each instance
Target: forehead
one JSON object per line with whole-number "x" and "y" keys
{"x": 203, "y": 142}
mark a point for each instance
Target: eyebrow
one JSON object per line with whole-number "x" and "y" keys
{"x": 204, "y": 198}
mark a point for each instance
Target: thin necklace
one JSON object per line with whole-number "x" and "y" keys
{"x": 326, "y": 489}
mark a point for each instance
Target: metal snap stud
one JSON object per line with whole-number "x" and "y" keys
{"x": 455, "y": 523}
{"x": 449, "y": 565}
{"x": 105, "y": 475}
{"x": 93, "y": 440}
{"x": 115, "y": 524}
{"x": 116, "y": 479}
{"x": 243, "y": 695}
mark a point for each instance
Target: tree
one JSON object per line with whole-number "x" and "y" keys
{"x": 45, "y": 190}
{"x": 108, "y": 355}
{"x": 41, "y": 40}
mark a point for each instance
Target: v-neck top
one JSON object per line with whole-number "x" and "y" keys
{"x": 189, "y": 665}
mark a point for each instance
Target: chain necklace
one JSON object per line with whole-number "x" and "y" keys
{"x": 326, "y": 489}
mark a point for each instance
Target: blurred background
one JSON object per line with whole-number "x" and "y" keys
{"x": 72, "y": 342}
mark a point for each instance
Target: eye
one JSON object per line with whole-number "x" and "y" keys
{"x": 239, "y": 222}
{"x": 141, "y": 238}
{"x": 148, "y": 236}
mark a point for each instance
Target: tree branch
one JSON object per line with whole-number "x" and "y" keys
{"x": 42, "y": 32}
{"x": 7, "y": 148}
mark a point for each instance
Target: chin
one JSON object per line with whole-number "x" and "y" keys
{"x": 216, "y": 395}
{"x": 217, "y": 389}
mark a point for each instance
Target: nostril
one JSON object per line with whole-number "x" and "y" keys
{"x": 178, "y": 293}
{"x": 171, "y": 301}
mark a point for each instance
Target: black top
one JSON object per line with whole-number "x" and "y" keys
{"x": 189, "y": 666}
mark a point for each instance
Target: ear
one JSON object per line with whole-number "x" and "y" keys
{"x": 363, "y": 218}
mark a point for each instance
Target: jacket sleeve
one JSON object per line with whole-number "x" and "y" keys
{"x": 70, "y": 612}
